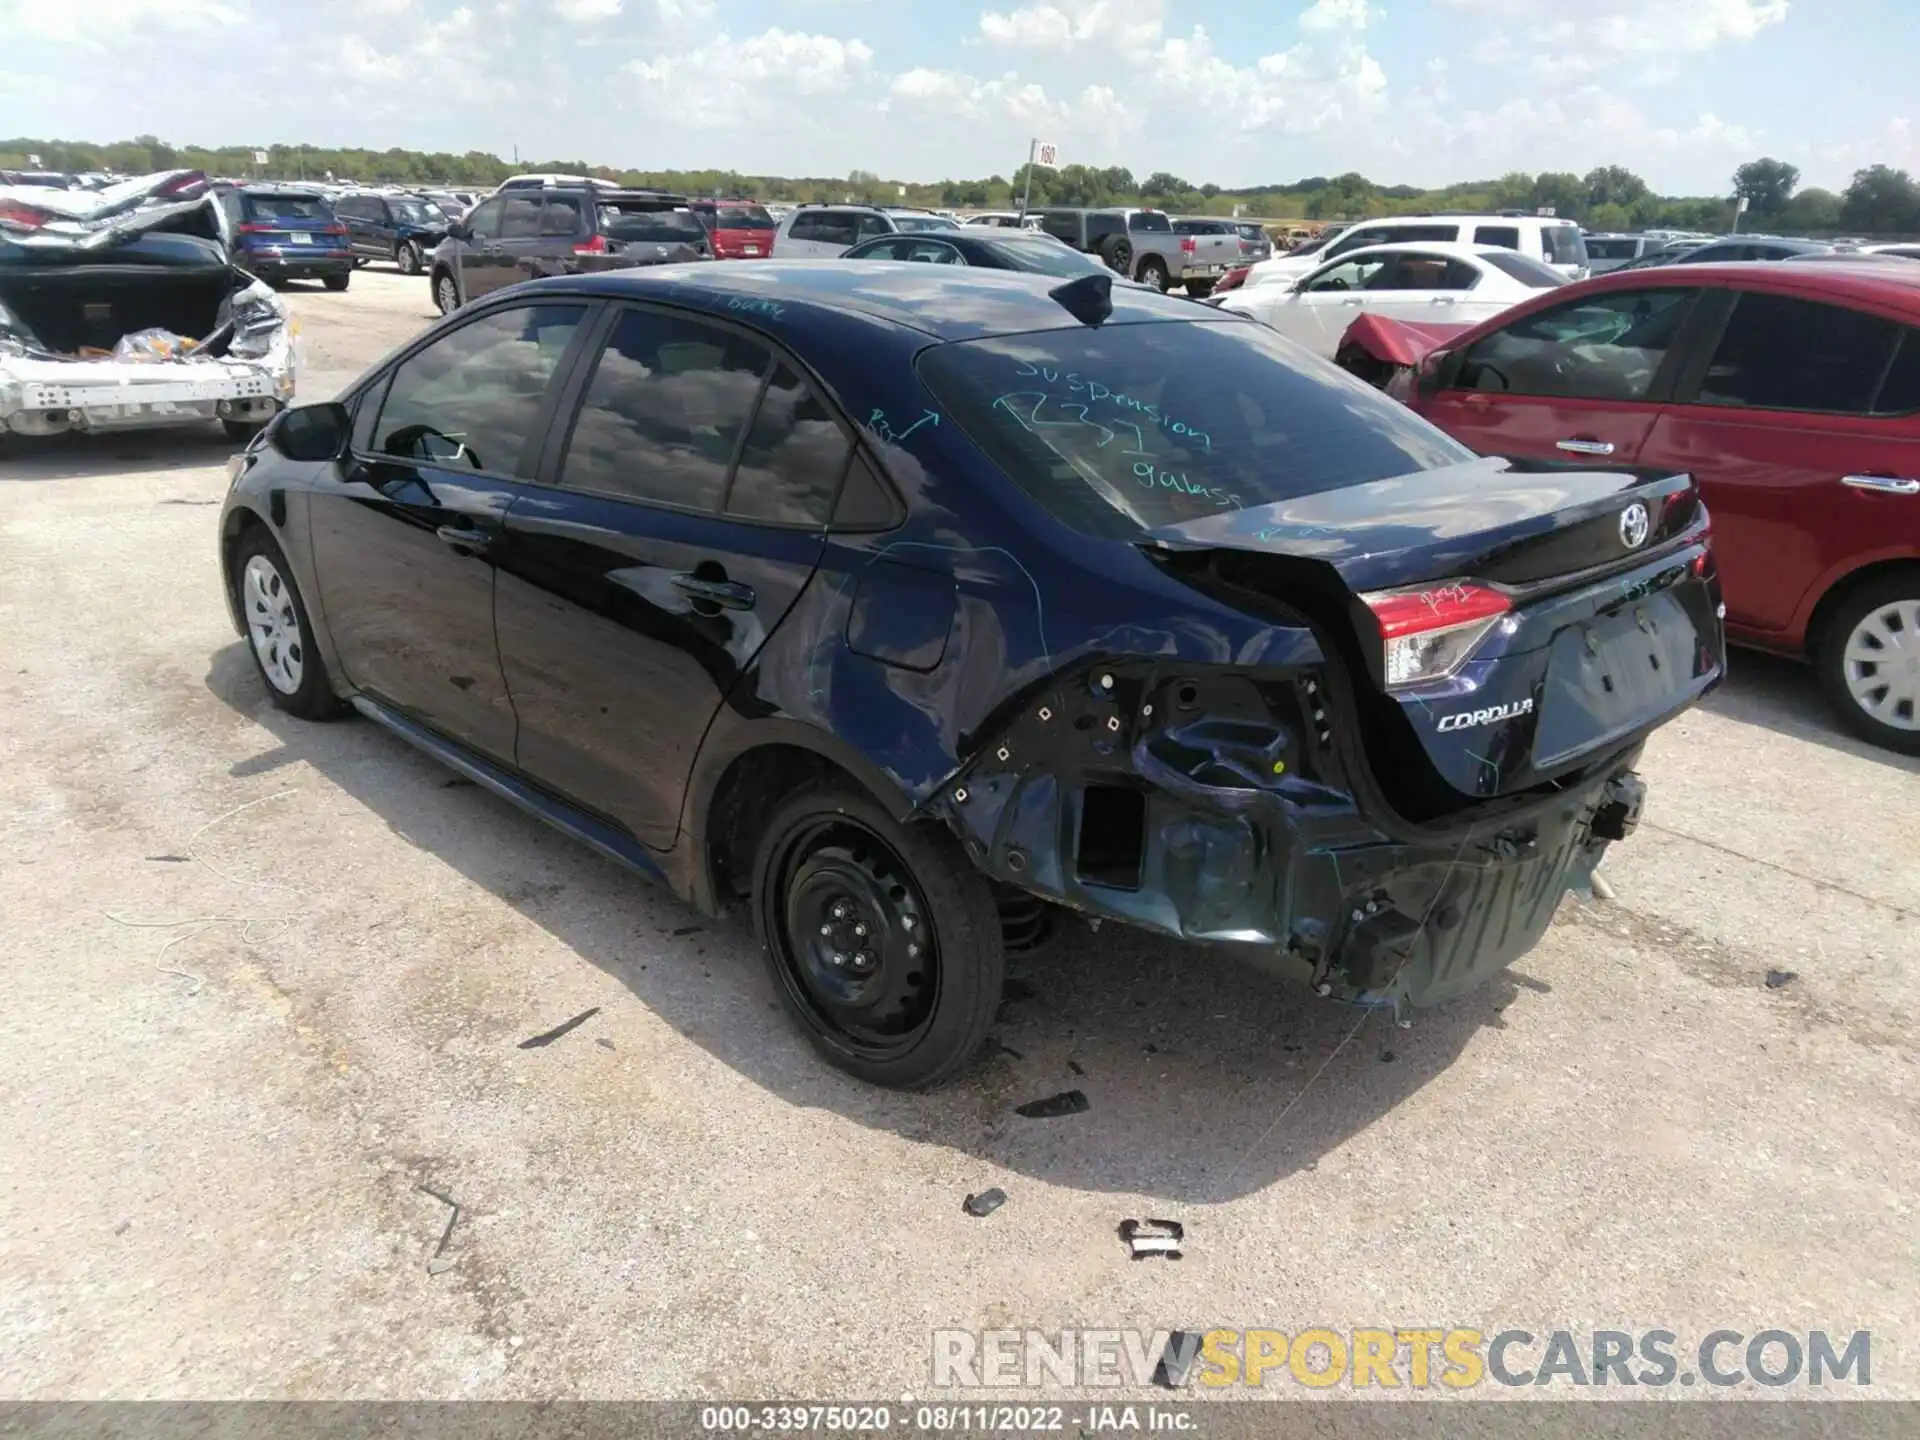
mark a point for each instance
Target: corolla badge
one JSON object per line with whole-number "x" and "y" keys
{"x": 1474, "y": 719}
{"x": 1634, "y": 526}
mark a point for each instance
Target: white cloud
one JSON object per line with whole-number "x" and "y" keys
{"x": 1336, "y": 14}
{"x": 583, "y": 12}
{"x": 105, "y": 22}
{"x": 1593, "y": 33}
{"x": 748, "y": 83}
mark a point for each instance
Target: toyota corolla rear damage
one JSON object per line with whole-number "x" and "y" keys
{"x": 122, "y": 307}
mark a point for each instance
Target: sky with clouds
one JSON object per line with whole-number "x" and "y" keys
{"x": 1405, "y": 91}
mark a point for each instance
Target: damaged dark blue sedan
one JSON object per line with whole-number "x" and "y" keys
{"x": 903, "y": 606}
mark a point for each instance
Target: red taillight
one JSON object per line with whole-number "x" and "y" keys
{"x": 334, "y": 230}
{"x": 254, "y": 227}
{"x": 1233, "y": 279}
{"x": 22, "y": 217}
{"x": 1189, "y": 244}
{"x": 596, "y": 246}
{"x": 1428, "y": 632}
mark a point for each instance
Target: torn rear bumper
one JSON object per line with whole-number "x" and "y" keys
{"x": 1217, "y": 809}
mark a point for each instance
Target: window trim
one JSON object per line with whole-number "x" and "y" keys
{"x": 382, "y": 382}
{"x": 571, "y": 399}
{"x": 1721, "y": 302}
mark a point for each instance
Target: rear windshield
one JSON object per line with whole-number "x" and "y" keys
{"x": 1612, "y": 249}
{"x": 419, "y": 212}
{"x": 1150, "y": 222}
{"x": 1563, "y": 245}
{"x": 1527, "y": 272}
{"x": 741, "y": 217}
{"x": 642, "y": 221}
{"x": 1251, "y": 232}
{"x": 1131, "y": 427}
{"x": 287, "y": 207}
{"x": 923, "y": 222}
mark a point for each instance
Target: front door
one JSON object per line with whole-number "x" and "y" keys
{"x": 1803, "y": 436}
{"x": 403, "y": 530}
{"x": 687, "y": 511}
{"x": 1579, "y": 383}
{"x": 485, "y": 262}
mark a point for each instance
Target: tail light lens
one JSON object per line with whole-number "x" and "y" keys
{"x": 254, "y": 227}
{"x": 334, "y": 230}
{"x": 1233, "y": 279}
{"x": 1188, "y": 244}
{"x": 1428, "y": 632}
{"x": 16, "y": 216}
{"x": 596, "y": 246}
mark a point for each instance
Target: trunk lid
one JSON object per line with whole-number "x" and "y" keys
{"x": 1505, "y": 623}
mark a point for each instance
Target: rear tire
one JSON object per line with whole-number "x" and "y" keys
{"x": 1868, "y": 659}
{"x": 279, "y": 634}
{"x": 407, "y": 257}
{"x": 882, "y": 939}
{"x": 337, "y": 282}
{"x": 1117, "y": 251}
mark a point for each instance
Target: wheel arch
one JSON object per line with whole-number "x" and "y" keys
{"x": 1838, "y": 589}
{"x": 235, "y": 525}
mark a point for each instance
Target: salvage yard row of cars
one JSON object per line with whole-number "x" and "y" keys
{"x": 909, "y": 600}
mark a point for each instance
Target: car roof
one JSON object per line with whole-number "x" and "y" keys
{"x": 1866, "y": 281}
{"x": 1460, "y": 248}
{"x": 1461, "y": 215}
{"x": 945, "y": 302}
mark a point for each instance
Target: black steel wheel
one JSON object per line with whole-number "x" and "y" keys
{"x": 883, "y": 940}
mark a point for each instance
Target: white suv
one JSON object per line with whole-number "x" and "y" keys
{"x": 823, "y": 231}
{"x": 1554, "y": 242}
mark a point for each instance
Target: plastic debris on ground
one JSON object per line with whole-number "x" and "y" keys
{"x": 985, "y": 1203}
{"x": 1067, "y": 1102}
{"x": 1777, "y": 978}
{"x": 1153, "y": 1237}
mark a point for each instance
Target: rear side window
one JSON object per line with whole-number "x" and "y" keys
{"x": 664, "y": 411}
{"x": 1562, "y": 245}
{"x": 1606, "y": 347}
{"x": 1064, "y": 227}
{"x": 520, "y": 218}
{"x": 649, "y": 226}
{"x": 561, "y": 217}
{"x": 1507, "y": 237}
{"x": 287, "y": 207}
{"x": 470, "y": 400}
{"x": 1779, "y": 353}
{"x": 1611, "y": 249}
{"x": 1132, "y": 427}
{"x": 1420, "y": 234}
{"x": 791, "y": 463}
{"x": 1149, "y": 222}
{"x": 1527, "y": 272}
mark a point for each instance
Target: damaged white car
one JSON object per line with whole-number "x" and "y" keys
{"x": 123, "y": 308}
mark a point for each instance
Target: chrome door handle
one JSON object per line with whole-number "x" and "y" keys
{"x": 1353, "y": 302}
{"x": 1884, "y": 484}
{"x": 1586, "y": 447}
{"x": 1446, "y": 300}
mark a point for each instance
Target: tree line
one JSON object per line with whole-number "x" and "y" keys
{"x": 1880, "y": 200}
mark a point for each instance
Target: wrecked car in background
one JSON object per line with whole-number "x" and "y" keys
{"x": 124, "y": 308}
{"x": 903, "y": 605}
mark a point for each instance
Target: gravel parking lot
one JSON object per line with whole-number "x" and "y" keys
{"x": 267, "y": 984}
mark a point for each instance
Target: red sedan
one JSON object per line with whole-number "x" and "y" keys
{"x": 1790, "y": 391}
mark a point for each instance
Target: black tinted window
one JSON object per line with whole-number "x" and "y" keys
{"x": 791, "y": 463}
{"x": 1612, "y": 249}
{"x": 865, "y": 502}
{"x": 664, "y": 411}
{"x": 520, "y": 218}
{"x": 470, "y": 400}
{"x": 1606, "y": 347}
{"x": 840, "y": 227}
{"x": 1507, "y": 237}
{"x": 1064, "y": 227}
{"x": 484, "y": 222}
{"x": 1900, "y": 391}
{"x": 1779, "y": 353}
{"x": 1149, "y": 222}
{"x": 871, "y": 225}
{"x": 805, "y": 227}
{"x": 742, "y": 217}
{"x": 659, "y": 227}
{"x": 1146, "y": 425}
{"x": 561, "y": 217}
{"x": 287, "y": 207}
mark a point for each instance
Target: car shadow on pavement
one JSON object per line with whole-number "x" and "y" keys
{"x": 1206, "y": 1078}
{"x": 113, "y": 454}
{"x": 1783, "y": 696}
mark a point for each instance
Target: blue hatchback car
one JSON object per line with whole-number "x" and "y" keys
{"x": 288, "y": 234}
{"x": 908, "y": 606}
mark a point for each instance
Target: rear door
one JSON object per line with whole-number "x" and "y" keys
{"x": 1579, "y": 382}
{"x": 685, "y": 510}
{"x": 1801, "y": 428}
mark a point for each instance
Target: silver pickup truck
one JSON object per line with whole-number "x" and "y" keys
{"x": 1140, "y": 244}
{"x": 1212, "y": 247}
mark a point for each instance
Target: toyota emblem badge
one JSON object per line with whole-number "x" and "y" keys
{"x": 1634, "y": 525}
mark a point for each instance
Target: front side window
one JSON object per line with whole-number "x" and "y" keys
{"x": 1507, "y": 237}
{"x": 791, "y": 463}
{"x": 1426, "y": 272}
{"x": 805, "y": 227}
{"x": 520, "y": 218}
{"x": 1606, "y": 347}
{"x": 932, "y": 252}
{"x": 1779, "y": 353}
{"x": 1356, "y": 274}
{"x": 871, "y": 225}
{"x": 471, "y": 399}
{"x": 664, "y": 411}
{"x": 1562, "y": 245}
{"x": 484, "y": 222}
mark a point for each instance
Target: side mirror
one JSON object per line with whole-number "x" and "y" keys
{"x": 1437, "y": 370}
{"x": 459, "y": 231}
{"x": 313, "y": 432}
